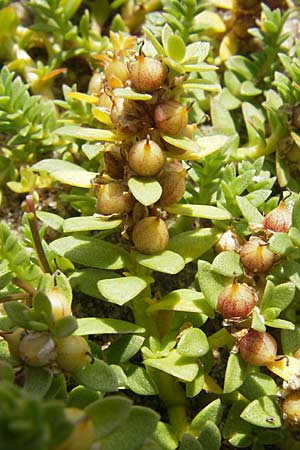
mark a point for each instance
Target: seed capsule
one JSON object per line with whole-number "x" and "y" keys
{"x": 146, "y": 158}
{"x": 279, "y": 219}
{"x": 172, "y": 181}
{"x": 73, "y": 353}
{"x": 37, "y": 349}
{"x": 229, "y": 241}
{"x": 116, "y": 69}
{"x": 171, "y": 117}
{"x": 60, "y": 305}
{"x": 114, "y": 162}
{"x": 291, "y": 407}
{"x": 150, "y": 235}
{"x": 255, "y": 255}
{"x": 13, "y": 340}
{"x": 147, "y": 74}
{"x": 83, "y": 433}
{"x": 258, "y": 348}
{"x": 112, "y": 198}
{"x": 237, "y": 301}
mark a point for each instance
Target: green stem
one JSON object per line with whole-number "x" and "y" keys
{"x": 24, "y": 285}
{"x": 32, "y": 220}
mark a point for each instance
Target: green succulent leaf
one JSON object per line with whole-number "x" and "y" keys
{"x": 123, "y": 349}
{"x": 192, "y": 342}
{"x": 203, "y": 211}
{"x": 213, "y": 411}
{"x": 166, "y": 261}
{"x": 145, "y": 191}
{"x": 192, "y": 244}
{"x": 98, "y": 376}
{"x": 211, "y": 283}
{"x": 37, "y": 380}
{"x": 263, "y": 412}
{"x": 88, "y": 223}
{"x": 95, "y": 325}
{"x": 228, "y": 264}
{"x": 122, "y": 290}
{"x": 235, "y": 373}
{"x": 210, "y": 436}
{"x": 281, "y": 244}
{"x": 182, "y": 367}
{"x": 130, "y": 94}
{"x": 257, "y": 385}
{"x": 87, "y": 134}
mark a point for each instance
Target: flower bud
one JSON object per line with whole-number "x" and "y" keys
{"x": 237, "y": 301}
{"x": 13, "y": 339}
{"x": 172, "y": 181}
{"x": 59, "y": 303}
{"x": 83, "y": 433}
{"x": 112, "y": 198}
{"x": 229, "y": 241}
{"x": 171, "y": 117}
{"x": 258, "y": 348}
{"x": 116, "y": 69}
{"x": 146, "y": 158}
{"x": 150, "y": 235}
{"x": 279, "y": 219}
{"x": 255, "y": 255}
{"x": 114, "y": 162}
{"x": 291, "y": 407}
{"x": 147, "y": 74}
{"x": 37, "y": 349}
{"x": 73, "y": 353}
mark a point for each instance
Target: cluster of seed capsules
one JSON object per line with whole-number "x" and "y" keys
{"x": 237, "y": 301}
{"x": 141, "y": 151}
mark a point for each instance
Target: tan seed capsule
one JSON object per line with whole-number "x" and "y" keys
{"x": 171, "y": 117}
{"x": 117, "y": 69}
{"x": 146, "y": 158}
{"x": 291, "y": 407}
{"x": 150, "y": 235}
{"x": 13, "y": 340}
{"x": 256, "y": 257}
{"x": 172, "y": 181}
{"x": 229, "y": 241}
{"x": 73, "y": 353}
{"x": 83, "y": 433}
{"x": 258, "y": 348}
{"x": 147, "y": 74}
{"x": 112, "y": 198}
{"x": 237, "y": 301}
{"x": 37, "y": 349}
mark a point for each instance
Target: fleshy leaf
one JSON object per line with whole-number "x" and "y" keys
{"x": 88, "y": 134}
{"x": 257, "y": 385}
{"x": 95, "y": 325}
{"x": 192, "y": 244}
{"x": 235, "y": 373}
{"x": 98, "y": 376}
{"x": 122, "y": 290}
{"x": 228, "y": 264}
{"x": 175, "y": 47}
{"x": 203, "y": 211}
{"x": 250, "y": 212}
{"x": 88, "y": 223}
{"x": 211, "y": 283}
{"x": 263, "y": 412}
{"x": 166, "y": 262}
{"x": 193, "y": 342}
{"x": 213, "y": 411}
{"x": 131, "y": 94}
{"x": 145, "y": 191}
{"x": 179, "y": 366}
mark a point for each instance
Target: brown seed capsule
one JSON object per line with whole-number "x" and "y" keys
{"x": 172, "y": 181}
{"x": 73, "y": 353}
{"x": 291, "y": 407}
{"x": 237, "y": 301}
{"x": 146, "y": 158}
{"x": 150, "y": 235}
{"x": 147, "y": 74}
{"x": 37, "y": 349}
{"x": 279, "y": 219}
{"x": 112, "y": 198}
{"x": 83, "y": 433}
{"x": 114, "y": 162}
{"x": 229, "y": 241}
{"x": 255, "y": 255}
{"x": 258, "y": 348}
{"x": 171, "y": 117}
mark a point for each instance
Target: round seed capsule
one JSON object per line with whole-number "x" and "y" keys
{"x": 37, "y": 349}
{"x": 172, "y": 181}
{"x": 147, "y": 74}
{"x": 291, "y": 407}
{"x": 146, "y": 158}
{"x": 229, "y": 241}
{"x": 112, "y": 198}
{"x": 255, "y": 255}
{"x": 73, "y": 353}
{"x": 237, "y": 301}
{"x": 150, "y": 235}
{"x": 279, "y": 219}
{"x": 258, "y": 348}
{"x": 171, "y": 117}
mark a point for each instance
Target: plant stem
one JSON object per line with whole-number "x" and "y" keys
{"x": 24, "y": 285}
{"x": 32, "y": 220}
{"x": 18, "y": 296}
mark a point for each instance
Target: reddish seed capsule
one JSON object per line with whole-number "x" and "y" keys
{"x": 172, "y": 181}
{"x": 229, "y": 241}
{"x": 255, "y": 255}
{"x": 147, "y": 74}
{"x": 258, "y": 348}
{"x": 146, "y": 158}
{"x": 279, "y": 219}
{"x": 150, "y": 235}
{"x": 237, "y": 301}
{"x": 291, "y": 407}
{"x": 171, "y": 117}
{"x": 112, "y": 198}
